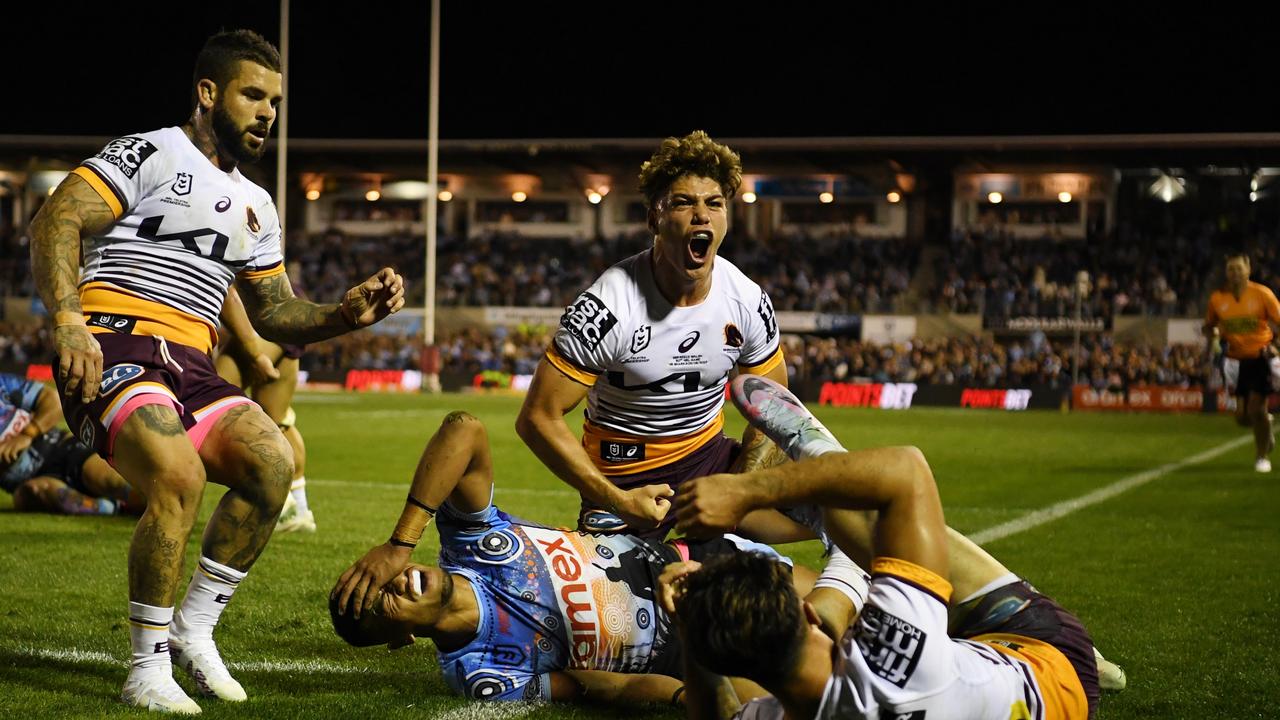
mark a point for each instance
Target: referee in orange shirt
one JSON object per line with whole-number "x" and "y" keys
{"x": 1248, "y": 316}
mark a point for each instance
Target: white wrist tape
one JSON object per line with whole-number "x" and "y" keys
{"x": 844, "y": 575}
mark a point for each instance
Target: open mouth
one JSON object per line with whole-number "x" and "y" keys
{"x": 700, "y": 245}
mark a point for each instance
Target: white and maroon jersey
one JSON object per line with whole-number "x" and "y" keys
{"x": 898, "y": 662}
{"x": 184, "y": 230}
{"x": 657, "y": 371}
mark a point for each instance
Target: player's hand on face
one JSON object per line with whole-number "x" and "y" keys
{"x": 644, "y": 507}
{"x": 358, "y": 587}
{"x": 79, "y": 361}
{"x": 671, "y": 584}
{"x": 711, "y": 505}
{"x": 13, "y": 447}
{"x": 376, "y": 298}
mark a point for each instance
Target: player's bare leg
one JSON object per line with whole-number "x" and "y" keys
{"x": 1263, "y": 439}
{"x": 153, "y": 453}
{"x": 246, "y": 452}
{"x": 276, "y": 399}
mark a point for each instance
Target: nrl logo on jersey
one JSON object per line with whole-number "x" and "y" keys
{"x": 640, "y": 338}
{"x": 181, "y": 184}
{"x": 128, "y": 154}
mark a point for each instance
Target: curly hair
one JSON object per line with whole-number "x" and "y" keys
{"x": 742, "y": 617}
{"x": 221, "y": 52}
{"x": 694, "y": 154}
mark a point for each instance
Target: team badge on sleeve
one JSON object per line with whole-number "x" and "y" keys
{"x": 890, "y": 645}
{"x": 588, "y": 320}
{"x": 766, "y": 314}
{"x": 128, "y": 154}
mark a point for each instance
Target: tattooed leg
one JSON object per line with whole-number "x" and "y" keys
{"x": 153, "y": 453}
{"x": 246, "y": 452}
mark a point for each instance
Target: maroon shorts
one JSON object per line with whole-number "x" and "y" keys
{"x": 715, "y": 456}
{"x": 142, "y": 370}
{"x": 1019, "y": 609}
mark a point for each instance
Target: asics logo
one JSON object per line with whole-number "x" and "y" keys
{"x": 223, "y": 204}
{"x": 689, "y": 341}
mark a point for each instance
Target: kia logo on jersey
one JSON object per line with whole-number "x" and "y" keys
{"x": 689, "y": 341}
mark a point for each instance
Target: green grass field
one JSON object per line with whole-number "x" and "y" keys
{"x": 1177, "y": 579}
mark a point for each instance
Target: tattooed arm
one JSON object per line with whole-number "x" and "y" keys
{"x": 74, "y": 211}
{"x": 281, "y": 317}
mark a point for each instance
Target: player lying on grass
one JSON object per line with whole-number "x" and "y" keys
{"x": 518, "y": 610}
{"x": 1012, "y": 652}
{"x": 45, "y": 467}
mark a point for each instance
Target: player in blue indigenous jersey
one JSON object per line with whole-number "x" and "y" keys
{"x": 518, "y": 610}
{"x": 45, "y": 467}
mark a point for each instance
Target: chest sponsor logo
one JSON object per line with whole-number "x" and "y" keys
{"x": 640, "y": 338}
{"x": 223, "y": 204}
{"x": 674, "y": 383}
{"x": 766, "y": 314}
{"x": 616, "y": 452}
{"x": 116, "y": 375}
{"x": 588, "y": 320}
{"x": 115, "y": 323}
{"x": 573, "y": 581}
{"x": 127, "y": 154}
{"x": 890, "y": 645}
{"x": 181, "y": 184}
{"x": 688, "y": 342}
{"x": 149, "y": 229}
{"x": 733, "y": 336}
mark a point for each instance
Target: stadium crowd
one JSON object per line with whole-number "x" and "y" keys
{"x": 972, "y": 361}
{"x": 835, "y": 275}
{"x": 1130, "y": 272}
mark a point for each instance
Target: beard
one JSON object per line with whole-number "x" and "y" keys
{"x": 230, "y": 138}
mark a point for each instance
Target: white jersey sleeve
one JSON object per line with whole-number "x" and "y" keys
{"x": 268, "y": 255}
{"x": 126, "y": 170}
{"x": 760, "y": 328}
{"x": 588, "y": 334}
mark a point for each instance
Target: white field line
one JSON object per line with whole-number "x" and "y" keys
{"x": 94, "y": 657}
{"x": 491, "y": 711}
{"x": 1052, "y": 512}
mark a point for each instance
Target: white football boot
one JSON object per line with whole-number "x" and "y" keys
{"x": 201, "y": 661}
{"x": 157, "y": 691}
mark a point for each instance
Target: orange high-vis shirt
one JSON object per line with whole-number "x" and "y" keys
{"x": 1243, "y": 322}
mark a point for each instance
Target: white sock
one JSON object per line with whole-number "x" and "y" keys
{"x": 149, "y": 636}
{"x": 844, "y": 575}
{"x": 299, "y": 492}
{"x": 212, "y": 585}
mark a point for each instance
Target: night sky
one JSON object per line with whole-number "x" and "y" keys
{"x": 650, "y": 69}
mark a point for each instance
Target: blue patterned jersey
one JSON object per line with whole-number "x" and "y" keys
{"x": 552, "y": 600}
{"x": 17, "y": 402}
